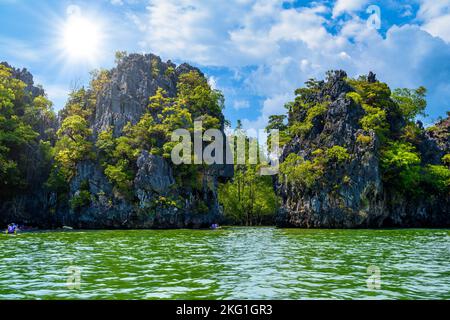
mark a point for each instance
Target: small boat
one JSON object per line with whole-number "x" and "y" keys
{"x": 12, "y": 229}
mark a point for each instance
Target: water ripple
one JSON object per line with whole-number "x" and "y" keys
{"x": 231, "y": 263}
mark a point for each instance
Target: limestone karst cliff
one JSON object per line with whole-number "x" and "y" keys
{"x": 356, "y": 160}
{"x": 27, "y": 131}
{"x": 159, "y": 194}
{"x": 95, "y": 183}
{"x": 353, "y": 155}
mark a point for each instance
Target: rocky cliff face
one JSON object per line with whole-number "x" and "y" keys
{"x": 135, "y": 79}
{"x": 353, "y": 194}
{"x": 348, "y": 194}
{"x": 123, "y": 100}
{"x": 30, "y": 203}
{"x": 25, "y": 76}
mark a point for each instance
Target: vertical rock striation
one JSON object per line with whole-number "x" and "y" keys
{"x": 122, "y": 100}
{"x": 353, "y": 194}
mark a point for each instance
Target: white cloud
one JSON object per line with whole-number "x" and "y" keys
{"x": 436, "y": 18}
{"x": 117, "y": 2}
{"x": 271, "y": 106}
{"x": 138, "y": 22}
{"x": 431, "y": 9}
{"x": 407, "y": 11}
{"x": 439, "y": 27}
{"x": 241, "y": 104}
{"x": 56, "y": 92}
{"x": 304, "y": 25}
{"x": 344, "y": 55}
{"x": 349, "y": 6}
{"x": 275, "y": 104}
{"x": 289, "y": 46}
{"x": 212, "y": 81}
{"x": 406, "y": 57}
{"x": 195, "y": 32}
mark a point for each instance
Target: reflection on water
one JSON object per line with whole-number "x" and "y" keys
{"x": 230, "y": 263}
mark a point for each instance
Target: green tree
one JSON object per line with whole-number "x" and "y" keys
{"x": 249, "y": 199}
{"x": 305, "y": 174}
{"x": 73, "y": 145}
{"x": 22, "y": 120}
{"x": 411, "y": 102}
{"x": 436, "y": 179}
{"x": 119, "y": 56}
{"x": 195, "y": 100}
{"x": 195, "y": 93}
{"x": 401, "y": 165}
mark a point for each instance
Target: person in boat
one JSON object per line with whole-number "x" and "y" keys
{"x": 12, "y": 228}
{"x": 215, "y": 226}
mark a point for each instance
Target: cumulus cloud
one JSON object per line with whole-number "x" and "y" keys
{"x": 436, "y": 18}
{"x": 241, "y": 104}
{"x": 192, "y": 31}
{"x": 439, "y": 27}
{"x": 349, "y": 6}
{"x": 212, "y": 81}
{"x": 396, "y": 59}
{"x": 287, "y": 46}
{"x": 271, "y": 106}
{"x": 431, "y": 9}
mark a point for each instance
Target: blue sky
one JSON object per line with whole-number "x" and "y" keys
{"x": 256, "y": 51}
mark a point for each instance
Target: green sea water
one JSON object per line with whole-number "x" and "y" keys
{"x": 230, "y": 263}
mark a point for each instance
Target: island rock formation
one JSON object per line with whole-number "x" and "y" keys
{"x": 354, "y": 193}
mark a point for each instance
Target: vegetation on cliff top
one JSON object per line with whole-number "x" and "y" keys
{"x": 118, "y": 155}
{"x": 25, "y": 134}
{"x": 391, "y": 115}
{"x": 28, "y": 141}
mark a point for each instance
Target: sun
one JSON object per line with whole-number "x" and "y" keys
{"x": 81, "y": 38}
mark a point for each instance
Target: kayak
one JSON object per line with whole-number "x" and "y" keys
{"x": 11, "y": 231}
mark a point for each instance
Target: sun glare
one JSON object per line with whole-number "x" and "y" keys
{"x": 81, "y": 38}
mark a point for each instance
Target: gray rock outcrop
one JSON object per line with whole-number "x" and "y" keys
{"x": 353, "y": 194}
{"x": 124, "y": 99}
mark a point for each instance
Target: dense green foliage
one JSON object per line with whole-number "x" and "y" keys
{"x": 375, "y": 99}
{"x": 277, "y": 122}
{"x": 402, "y": 168}
{"x": 118, "y": 154}
{"x": 73, "y": 144}
{"x": 401, "y": 162}
{"x": 118, "y": 158}
{"x": 249, "y": 199}
{"x": 25, "y": 134}
{"x": 195, "y": 100}
{"x": 391, "y": 115}
{"x": 304, "y": 111}
{"x": 411, "y": 102}
{"x": 29, "y": 144}
{"x": 75, "y": 141}
{"x": 312, "y": 112}
{"x": 308, "y": 173}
